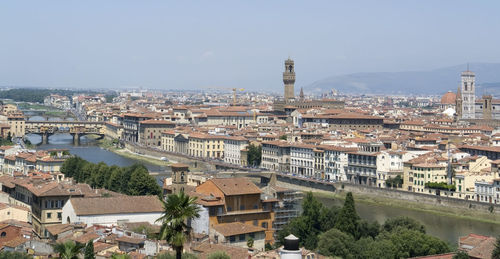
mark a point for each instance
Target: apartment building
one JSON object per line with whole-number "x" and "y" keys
{"x": 302, "y": 159}
{"x": 150, "y": 131}
{"x": 235, "y": 150}
{"x": 131, "y": 125}
{"x": 276, "y": 156}
{"x": 229, "y": 200}
{"x": 206, "y": 145}
{"x": 336, "y": 161}
{"x": 430, "y": 167}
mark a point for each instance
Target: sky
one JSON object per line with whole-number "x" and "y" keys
{"x": 225, "y": 44}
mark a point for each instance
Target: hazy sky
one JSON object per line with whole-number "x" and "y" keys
{"x": 195, "y": 44}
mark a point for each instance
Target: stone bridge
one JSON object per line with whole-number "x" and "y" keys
{"x": 75, "y": 128}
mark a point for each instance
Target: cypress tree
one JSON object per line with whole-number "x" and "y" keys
{"x": 347, "y": 219}
{"x": 89, "y": 250}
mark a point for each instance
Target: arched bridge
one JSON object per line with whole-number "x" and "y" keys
{"x": 75, "y": 128}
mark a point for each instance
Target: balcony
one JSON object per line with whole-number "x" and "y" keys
{"x": 243, "y": 212}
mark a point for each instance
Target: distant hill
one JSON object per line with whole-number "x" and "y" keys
{"x": 435, "y": 81}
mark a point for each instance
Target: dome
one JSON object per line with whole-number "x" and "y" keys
{"x": 448, "y": 98}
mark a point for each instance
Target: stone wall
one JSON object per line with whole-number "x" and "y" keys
{"x": 194, "y": 164}
{"x": 417, "y": 198}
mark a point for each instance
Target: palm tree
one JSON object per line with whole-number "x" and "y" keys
{"x": 68, "y": 249}
{"x": 177, "y": 210}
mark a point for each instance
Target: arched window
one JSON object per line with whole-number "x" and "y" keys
{"x": 3, "y": 234}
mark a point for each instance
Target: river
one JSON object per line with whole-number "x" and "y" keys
{"x": 445, "y": 227}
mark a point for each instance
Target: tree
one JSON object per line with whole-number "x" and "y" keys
{"x": 14, "y": 255}
{"x": 115, "y": 180}
{"x": 120, "y": 256}
{"x": 308, "y": 225}
{"x": 177, "y": 210}
{"x": 461, "y": 255}
{"x": 413, "y": 243}
{"x": 394, "y": 182}
{"x": 141, "y": 183}
{"x": 68, "y": 249}
{"x": 336, "y": 243}
{"x": 347, "y": 219}
{"x": 218, "y": 255}
{"x": 254, "y": 155}
{"x": 283, "y": 137}
{"x": 378, "y": 248}
{"x": 404, "y": 222}
{"x": 496, "y": 252}
{"x": 250, "y": 242}
{"x": 367, "y": 229}
{"x": 89, "y": 250}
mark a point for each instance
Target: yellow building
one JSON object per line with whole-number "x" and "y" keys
{"x": 468, "y": 171}
{"x": 15, "y": 212}
{"x": 426, "y": 168}
{"x": 17, "y": 125}
{"x": 206, "y": 145}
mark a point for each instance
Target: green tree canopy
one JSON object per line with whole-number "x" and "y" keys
{"x": 404, "y": 222}
{"x": 461, "y": 255}
{"x": 131, "y": 180}
{"x": 336, "y": 243}
{"x": 89, "y": 250}
{"x": 348, "y": 219}
{"x": 254, "y": 155}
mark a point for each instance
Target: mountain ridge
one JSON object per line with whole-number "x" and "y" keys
{"x": 436, "y": 81}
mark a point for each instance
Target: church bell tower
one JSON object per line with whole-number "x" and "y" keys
{"x": 289, "y": 80}
{"x": 468, "y": 94}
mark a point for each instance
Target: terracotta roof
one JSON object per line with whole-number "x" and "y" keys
{"x": 58, "y": 228}
{"x": 236, "y": 186}
{"x": 83, "y": 239}
{"x": 130, "y": 240}
{"x": 157, "y": 122}
{"x": 477, "y": 246}
{"x": 116, "y": 205}
{"x": 15, "y": 242}
{"x": 236, "y": 228}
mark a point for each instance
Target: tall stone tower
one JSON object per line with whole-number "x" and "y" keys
{"x": 289, "y": 80}
{"x": 179, "y": 177}
{"x": 468, "y": 92}
{"x": 458, "y": 103}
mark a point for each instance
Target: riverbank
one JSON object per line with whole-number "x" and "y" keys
{"x": 108, "y": 145}
{"x": 471, "y": 214}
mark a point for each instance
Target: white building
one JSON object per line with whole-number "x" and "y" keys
{"x": 336, "y": 162}
{"x": 112, "y": 210}
{"x": 276, "y": 156}
{"x": 302, "y": 159}
{"x": 237, "y": 234}
{"x": 233, "y": 146}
